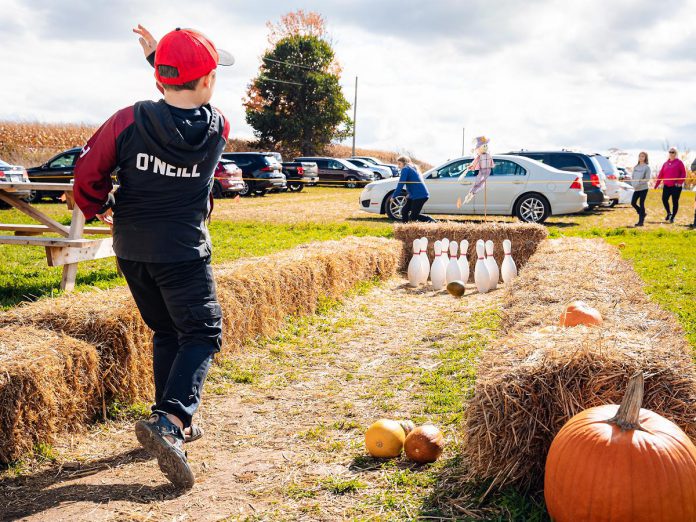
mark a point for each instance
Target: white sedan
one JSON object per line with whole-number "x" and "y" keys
{"x": 518, "y": 186}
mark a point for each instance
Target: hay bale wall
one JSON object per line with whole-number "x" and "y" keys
{"x": 257, "y": 296}
{"x": 49, "y": 382}
{"x": 538, "y": 376}
{"x": 525, "y": 238}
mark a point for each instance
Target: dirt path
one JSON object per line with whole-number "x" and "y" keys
{"x": 284, "y": 425}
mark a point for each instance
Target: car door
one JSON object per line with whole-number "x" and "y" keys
{"x": 508, "y": 180}
{"x": 58, "y": 169}
{"x": 447, "y": 191}
{"x": 336, "y": 172}
{"x": 322, "y": 169}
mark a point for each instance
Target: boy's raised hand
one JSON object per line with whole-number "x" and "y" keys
{"x": 147, "y": 41}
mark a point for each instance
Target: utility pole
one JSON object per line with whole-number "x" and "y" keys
{"x": 355, "y": 113}
{"x": 463, "y": 141}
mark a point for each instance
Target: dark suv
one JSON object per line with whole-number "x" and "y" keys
{"x": 573, "y": 162}
{"x": 59, "y": 169}
{"x": 261, "y": 170}
{"x": 337, "y": 172}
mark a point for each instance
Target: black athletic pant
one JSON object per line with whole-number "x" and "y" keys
{"x": 674, "y": 193}
{"x": 638, "y": 202}
{"x": 179, "y": 303}
{"x": 412, "y": 211}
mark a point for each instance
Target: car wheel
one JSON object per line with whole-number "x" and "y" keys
{"x": 33, "y": 197}
{"x": 295, "y": 186}
{"x": 394, "y": 206}
{"x": 613, "y": 203}
{"x": 532, "y": 208}
{"x": 217, "y": 190}
{"x": 351, "y": 182}
{"x": 246, "y": 190}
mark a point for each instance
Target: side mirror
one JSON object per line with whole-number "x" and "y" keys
{"x": 44, "y": 166}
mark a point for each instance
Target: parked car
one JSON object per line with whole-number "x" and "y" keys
{"x": 228, "y": 179}
{"x": 624, "y": 175}
{"x": 375, "y": 161}
{"x": 14, "y": 173}
{"x": 606, "y": 167}
{"x": 261, "y": 172}
{"x": 593, "y": 184}
{"x": 58, "y": 169}
{"x": 518, "y": 186}
{"x": 380, "y": 171}
{"x": 297, "y": 173}
{"x": 336, "y": 171}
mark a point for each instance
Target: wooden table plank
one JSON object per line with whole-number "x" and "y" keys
{"x": 42, "y": 229}
{"x": 36, "y": 214}
{"x": 47, "y": 241}
{"x": 77, "y": 225}
{"x": 30, "y": 185}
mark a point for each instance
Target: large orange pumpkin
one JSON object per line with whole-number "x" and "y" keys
{"x": 577, "y": 313}
{"x": 385, "y": 439}
{"x": 619, "y": 464}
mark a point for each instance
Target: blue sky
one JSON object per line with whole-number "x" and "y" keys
{"x": 537, "y": 74}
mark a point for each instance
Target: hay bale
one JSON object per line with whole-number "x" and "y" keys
{"x": 49, "y": 382}
{"x": 525, "y": 238}
{"x": 106, "y": 319}
{"x": 258, "y": 295}
{"x": 533, "y": 380}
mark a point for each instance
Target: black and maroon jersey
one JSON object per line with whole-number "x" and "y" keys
{"x": 165, "y": 178}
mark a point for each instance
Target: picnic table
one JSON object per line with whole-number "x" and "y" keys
{"x": 66, "y": 251}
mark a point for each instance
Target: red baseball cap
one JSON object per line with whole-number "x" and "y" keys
{"x": 191, "y": 53}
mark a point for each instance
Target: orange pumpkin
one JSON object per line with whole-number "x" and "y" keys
{"x": 621, "y": 463}
{"x": 385, "y": 439}
{"x": 424, "y": 444}
{"x": 577, "y": 313}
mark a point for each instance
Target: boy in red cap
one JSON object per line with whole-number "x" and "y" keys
{"x": 164, "y": 154}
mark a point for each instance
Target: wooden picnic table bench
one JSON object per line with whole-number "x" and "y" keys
{"x": 66, "y": 251}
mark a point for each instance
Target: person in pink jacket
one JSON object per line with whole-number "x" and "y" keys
{"x": 672, "y": 176}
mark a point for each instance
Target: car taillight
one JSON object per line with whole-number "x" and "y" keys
{"x": 611, "y": 176}
{"x": 267, "y": 169}
{"x": 2, "y": 175}
{"x": 594, "y": 180}
{"x": 300, "y": 170}
{"x": 576, "y": 184}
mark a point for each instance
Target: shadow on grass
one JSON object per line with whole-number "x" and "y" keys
{"x": 27, "y": 289}
{"x": 31, "y": 494}
{"x": 457, "y": 498}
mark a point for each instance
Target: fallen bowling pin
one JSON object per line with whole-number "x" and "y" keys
{"x": 508, "y": 268}
{"x": 492, "y": 266}
{"x": 437, "y": 270}
{"x": 453, "y": 273}
{"x": 414, "y": 266}
{"x": 463, "y": 260}
{"x": 481, "y": 276}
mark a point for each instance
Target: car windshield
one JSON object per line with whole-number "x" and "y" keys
{"x": 606, "y": 165}
{"x": 371, "y": 160}
{"x": 3, "y": 164}
{"x": 270, "y": 160}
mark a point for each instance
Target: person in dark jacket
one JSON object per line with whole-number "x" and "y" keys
{"x": 418, "y": 194}
{"x": 165, "y": 154}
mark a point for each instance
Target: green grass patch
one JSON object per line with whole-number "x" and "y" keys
{"x": 120, "y": 411}
{"x": 342, "y": 486}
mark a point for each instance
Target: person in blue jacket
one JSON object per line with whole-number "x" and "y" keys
{"x": 418, "y": 194}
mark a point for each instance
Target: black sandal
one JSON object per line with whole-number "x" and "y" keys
{"x": 196, "y": 433}
{"x": 170, "y": 456}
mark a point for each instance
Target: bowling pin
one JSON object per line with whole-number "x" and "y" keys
{"x": 493, "y": 270}
{"x": 453, "y": 273}
{"x": 425, "y": 260}
{"x": 481, "y": 276}
{"x": 463, "y": 261}
{"x": 414, "y": 266}
{"x": 437, "y": 270}
{"x": 508, "y": 268}
{"x": 445, "y": 248}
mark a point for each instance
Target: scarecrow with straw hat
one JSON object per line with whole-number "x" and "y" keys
{"x": 483, "y": 163}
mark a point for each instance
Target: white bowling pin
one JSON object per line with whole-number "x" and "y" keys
{"x": 445, "y": 246}
{"x": 453, "y": 273}
{"x": 425, "y": 261}
{"x": 481, "y": 276}
{"x": 463, "y": 261}
{"x": 508, "y": 268}
{"x": 437, "y": 270}
{"x": 414, "y": 266}
{"x": 492, "y": 265}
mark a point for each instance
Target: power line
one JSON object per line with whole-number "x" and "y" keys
{"x": 280, "y": 81}
{"x": 291, "y": 64}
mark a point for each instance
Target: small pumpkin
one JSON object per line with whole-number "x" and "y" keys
{"x": 578, "y": 312}
{"x": 408, "y": 426}
{"x": 620, "y": 463}
{"x": 424, "y": 444}
{"x": 385, "y": 439}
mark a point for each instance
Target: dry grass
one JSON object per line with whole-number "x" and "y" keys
{"x": 49, "y": 382}
{"x": 538, "y": 376}
{"x": 525, "y": 238}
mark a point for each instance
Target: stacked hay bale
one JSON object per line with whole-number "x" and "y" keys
{"x": 525, "y": 238}
{"x": 538, "y": 375}
{"x": 48, "y": 382}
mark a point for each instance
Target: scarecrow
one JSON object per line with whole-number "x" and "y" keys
{"x": 483, "y": 162}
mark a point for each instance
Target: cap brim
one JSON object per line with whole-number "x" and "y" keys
{"x": 224, "y": 58}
